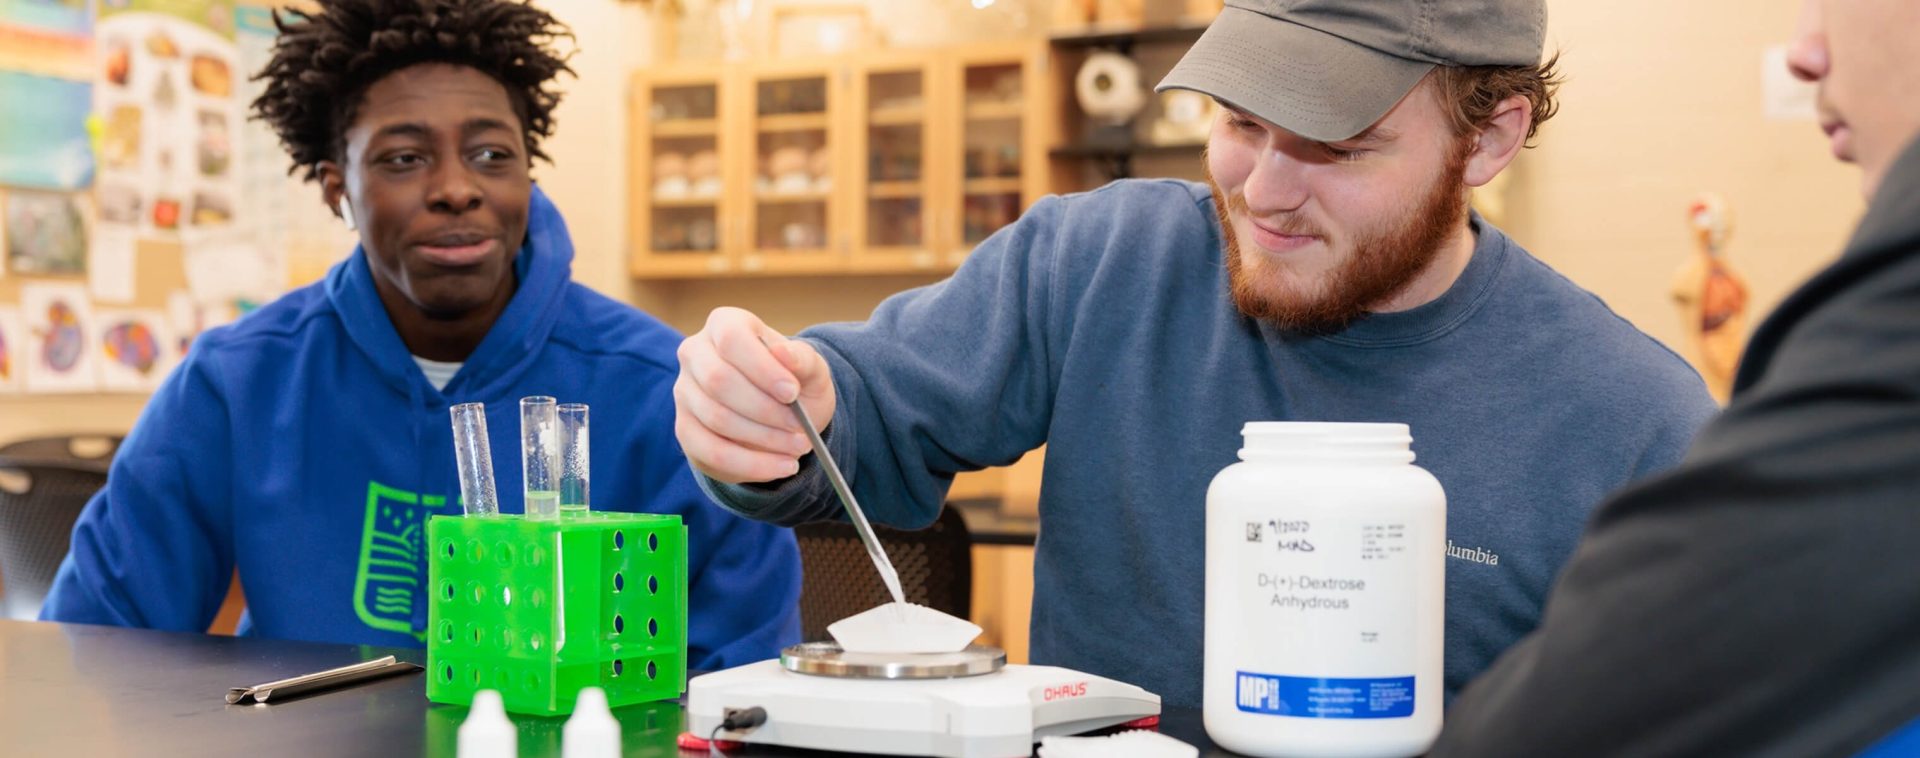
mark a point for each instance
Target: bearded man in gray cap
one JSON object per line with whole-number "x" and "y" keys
{"x": 1331, "y": 272}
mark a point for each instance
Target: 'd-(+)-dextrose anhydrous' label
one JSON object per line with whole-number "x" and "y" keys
{"x": 1327, "y": 612}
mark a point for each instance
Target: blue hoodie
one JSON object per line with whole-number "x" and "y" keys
{"x": 288, "y": 443}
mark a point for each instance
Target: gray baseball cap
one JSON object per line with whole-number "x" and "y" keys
{"x": 1328, "y": 69}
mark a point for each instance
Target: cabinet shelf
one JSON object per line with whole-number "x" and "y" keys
{"x": 686, "y": 127}
{"x": 898, "y": 117}
{"x": 792, "y": 198}
{"x": 995, "y": 111}
{"x": 1098, "y": 35}
{"x": 685, "y": 202}
{"x": 1006, "y": 186}
{"x": 793, "y": 122}
{"x": 896, "y": 190}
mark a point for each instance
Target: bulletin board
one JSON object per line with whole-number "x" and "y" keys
{"x": 139, "y": 205}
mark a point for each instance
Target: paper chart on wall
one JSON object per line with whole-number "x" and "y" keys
{"x": 13, "y": 351}
{"x": 110, "y": 265}
{"x": 231, "y": 266}
{"x": 136, "y": 349}
{"x": 168, "y": 116}
{"x": 59, "y": 321}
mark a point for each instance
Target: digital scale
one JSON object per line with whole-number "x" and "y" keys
{"x": 966, "y": 704}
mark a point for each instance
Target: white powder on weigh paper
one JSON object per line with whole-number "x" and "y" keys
{"x": 902, "y": 628}
{"x": 1134, "y": 744}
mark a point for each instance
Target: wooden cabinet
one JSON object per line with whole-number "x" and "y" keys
{"x": 885, "y": 162}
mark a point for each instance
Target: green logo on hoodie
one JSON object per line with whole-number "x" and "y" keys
{"x": 392, "y": 577}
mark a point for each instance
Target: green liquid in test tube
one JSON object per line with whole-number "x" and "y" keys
{"x": 573, "y": 459}
{"x": 540, "y": 456}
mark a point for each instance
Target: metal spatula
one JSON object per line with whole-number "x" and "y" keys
{"x": 874, "y": 550}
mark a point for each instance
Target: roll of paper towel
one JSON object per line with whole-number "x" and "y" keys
{"x": 1108, "y": 87}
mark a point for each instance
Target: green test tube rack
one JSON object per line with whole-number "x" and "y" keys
{"x": 539, "y": 608}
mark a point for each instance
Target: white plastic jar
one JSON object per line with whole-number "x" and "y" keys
{"x": 1326, "y": 561}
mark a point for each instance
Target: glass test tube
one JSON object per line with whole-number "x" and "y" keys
{"x": 474, "y": 455}
{"x": 540, "y": 456}
{"x": 573, "y": 459}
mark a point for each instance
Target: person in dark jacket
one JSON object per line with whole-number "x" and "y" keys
{"x": 1763, "y": 599}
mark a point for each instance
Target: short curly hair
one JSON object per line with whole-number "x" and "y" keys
{"x": 324, "y": 61}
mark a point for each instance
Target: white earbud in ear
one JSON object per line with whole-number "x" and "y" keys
{"x": 346, "y": 214}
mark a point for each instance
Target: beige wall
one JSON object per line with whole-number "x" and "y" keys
{"x": 588, "y": 177}
{"x": 1663, "y": 101}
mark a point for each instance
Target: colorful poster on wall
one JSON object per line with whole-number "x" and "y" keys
{"x": 13, "y": 351}
{"x": 46, "y": 51}
{"x": 59, "y": 349}
{"x": 136, "y": 349}
{"x": 215, "y": 16}
{"x": 46, "y": 232}
{"x": 45, "y": 146}
{"x": 168, "y": 114}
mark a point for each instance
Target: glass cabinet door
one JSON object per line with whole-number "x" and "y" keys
{"x": 992, "y": 146}
{"x": 685, "y": 184}
{"x": 895, "y": 197}
{"x": 792, "y": 169}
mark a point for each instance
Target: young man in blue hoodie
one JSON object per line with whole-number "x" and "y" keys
{"x": 1332, "y": 272}
{"x": 307, "y": 444}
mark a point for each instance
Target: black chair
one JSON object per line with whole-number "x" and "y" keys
{"x": 838, "y": 579}
{"x": 72, "y": 447}
{"x": 40, "y": 499}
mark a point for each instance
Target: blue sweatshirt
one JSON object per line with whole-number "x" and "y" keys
{"x": 287, "y": 443}
{"x": 1100, "y": 324}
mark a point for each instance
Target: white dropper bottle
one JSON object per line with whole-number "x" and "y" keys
{"x": 487, "y": 733}
{"x": 592, "y": 731}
